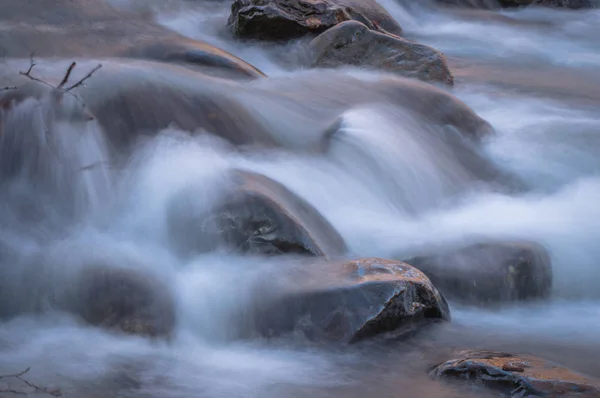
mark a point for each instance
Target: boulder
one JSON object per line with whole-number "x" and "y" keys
{"x": 353, "y": 43}
{"x": 253, "y": 214}
{"x": 574, "y": 4}
{"x": 85, "y": 28}
{"x": 489, "y": 272}
{"x": 121, "y": 299}
{"x": 517, "y": 375}
{"x": 124, "y": 300}
{"x": 351, "y": 301}
{"x": 290, "y": 19}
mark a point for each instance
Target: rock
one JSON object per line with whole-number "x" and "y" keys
{"x": 254, "y": 214}
{"x": 351, "y": 301}
{"x": 84, "y": 28}
{"x": 518, "y": 375}
{"x": 290, "y": 19}
{"x": 489, "y": 272}
{"x": 353, "y": 43}
{"x": 69, "y": 278}
{"x": 474, "y": 4}
{"x": 124, "y": 300}
{"x": 574, "y": 4}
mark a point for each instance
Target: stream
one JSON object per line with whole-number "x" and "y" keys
{"x": 533, "y": 74}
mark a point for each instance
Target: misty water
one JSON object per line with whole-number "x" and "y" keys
{"x": 533, "y": 74}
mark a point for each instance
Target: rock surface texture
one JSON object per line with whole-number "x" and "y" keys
{"x": 255, "y": 214}
{"x": 353, "y": 43}
{"x": 290, "y": 19}
{"x": 353, "y": 301}
{"x": 518, "y": 375}
{"x": 490, "y": 272}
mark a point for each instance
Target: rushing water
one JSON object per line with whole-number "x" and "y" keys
{"x": 533, "y": 74}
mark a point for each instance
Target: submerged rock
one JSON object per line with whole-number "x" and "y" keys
{"x": 518, "y": 375}
{"x": 121, "y": 299}
{"x": 352, "y": 301}
{"x": 289, "y": 19}
{"x": 353, "y": 43}
{"x": 124, "y": 300}
{"x": 94, "y": 29}
{"x": 489, "y": 272}
{"x": 254, "y": 214}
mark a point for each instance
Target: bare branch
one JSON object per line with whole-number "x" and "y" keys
{"x": 19, "y": 376}
{"x": 66, "y": 78}
{"x": 27, "y": 74}
{"x": 31, "y": 64}
{"x": 82, "y": 81}
{"x": 7, "y": 88}
{"x": 16, "y": 374}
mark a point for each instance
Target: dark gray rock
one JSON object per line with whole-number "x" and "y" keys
{"x": 254, "y": 214}
{"x": 123, "y": 300}
{"x": 489, "y": 272}
{"x": 574, "y": 4}
{"x": 353, "y": 43}
{"x": 289, "y": 19}
{"x": 517, "y": 375}
{"x": 352, "y": 301}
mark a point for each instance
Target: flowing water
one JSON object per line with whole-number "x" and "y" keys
{"x": 533, "y": 74}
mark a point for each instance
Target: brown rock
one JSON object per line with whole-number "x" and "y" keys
{"x": 353, "y": 43}
{"x": 289, "y": 19}
{"x": 518, "y": 375}
{"x": 85, "y": 28}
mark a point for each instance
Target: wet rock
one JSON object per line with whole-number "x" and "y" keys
{"x": 289, "y": 19}
{"x": 124, "y": 300}
{"x": 353, "y": 43}
{"x": 574, "y": 4}
{"x": 254, "y": 214}
{"x": 84, "y": 28}
{"x": 352, "y": 301}
{"x": 489, "y": 272}
{"x": 518, "y": 375}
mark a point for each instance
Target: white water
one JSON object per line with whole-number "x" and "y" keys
{"x": 551, "y": 142}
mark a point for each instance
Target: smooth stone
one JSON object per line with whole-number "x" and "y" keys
{"x": 94, "y": 29}
{"x": 253, "y": 214}
{"x": 489, "y": 272}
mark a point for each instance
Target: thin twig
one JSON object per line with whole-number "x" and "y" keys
{"x": 31, "y": 64}
{"x": 82, "y": 81}
{"x": 66, "y": 78}
{"x": 16, "y": 374}
{"x": 27, "y": 74}
{"x": 19, "y": 376}
{"x": 8, "y": 88}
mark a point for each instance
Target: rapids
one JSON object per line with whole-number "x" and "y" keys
{"x": 533, "y": 74}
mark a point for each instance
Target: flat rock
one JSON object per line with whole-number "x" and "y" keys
{"x": 518, "y": 375}
{"x": 290, "y": 19}
{"x": 353, "y": 43}
{"x": 352, "y": 301}
{"x": 489, "y": 272}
